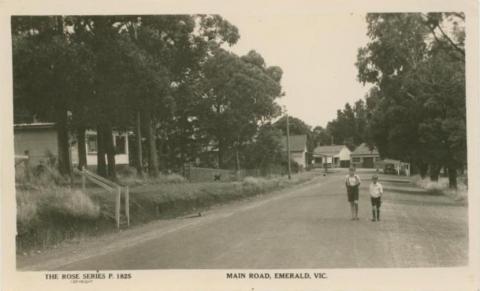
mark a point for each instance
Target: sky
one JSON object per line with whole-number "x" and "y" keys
{"x": 317, "y": 54}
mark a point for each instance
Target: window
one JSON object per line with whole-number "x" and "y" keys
{"x": 91, "y": 144}
{"x": 120, "y": 144}
{"x": 356, "y": 160}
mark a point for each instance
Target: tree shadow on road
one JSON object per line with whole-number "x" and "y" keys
{"x": 412, "y": 191}
{"x": 426, "y": 202}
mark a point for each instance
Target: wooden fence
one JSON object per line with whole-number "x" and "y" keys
{"x": 198, "y": 174}
{"x": 111, "y": 187}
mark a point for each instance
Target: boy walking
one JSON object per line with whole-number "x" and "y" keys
{"x": 352, "y": 182}
{"x": 376, "y": 191}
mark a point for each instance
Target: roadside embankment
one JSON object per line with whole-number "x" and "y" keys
{"x": 50, "y": 214}
{"x": 441, "y": 187}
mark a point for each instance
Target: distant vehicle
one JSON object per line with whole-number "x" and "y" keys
{"x": 389, "y": 169}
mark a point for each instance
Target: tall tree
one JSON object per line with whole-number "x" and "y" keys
{"x": 49, "y": 74}
{"x": 419, "y": 107}
{"x": 239, "y": 94}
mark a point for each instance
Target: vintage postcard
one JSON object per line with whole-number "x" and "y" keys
{"x": 308, "y": 145}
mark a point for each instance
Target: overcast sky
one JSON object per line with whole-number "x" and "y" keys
{"x": 317, "y": 54}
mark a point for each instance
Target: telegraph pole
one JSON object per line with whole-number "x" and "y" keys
{"x": 288, "y": 146}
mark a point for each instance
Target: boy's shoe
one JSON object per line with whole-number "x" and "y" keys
{"x": 373, "y": 219}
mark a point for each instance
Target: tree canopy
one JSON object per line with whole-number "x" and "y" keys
{"x": 416, "y": 62}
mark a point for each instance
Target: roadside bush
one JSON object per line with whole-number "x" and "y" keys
{"x": 442, "y": 187}
{"x": 71, "y": 203}
{"x": 50, "y": 215}
{"x": 175, "y": 179}
{"x": 41, "y": 175}
{"x": 63, "y": 201}
{"x": 127, "y": 171}
{"x": 26, "y": 210}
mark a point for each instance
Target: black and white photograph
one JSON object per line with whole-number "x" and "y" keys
{"x": 239, "y": 142}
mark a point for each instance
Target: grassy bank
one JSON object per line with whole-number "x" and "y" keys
{"x": 49, "y": 215}
{"x": 441, "y": 187}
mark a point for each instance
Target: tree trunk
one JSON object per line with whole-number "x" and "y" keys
{"x": 423, "y": 169}
{"x": 110, "y": 149}
{"x": 82, "y": 149}
{"x": 64, "y": 161}
{"x": 452, "y": 177}
{"x": 152, "y": 146}
{"x": 434, "y": 172}
{"x": 101, "y": 163}
{"x": 237, "y": 159}
{"x": 220, "y": 154}
{"x": 138, "y": 139}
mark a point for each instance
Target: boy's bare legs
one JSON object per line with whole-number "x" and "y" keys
{"x": 356, "y": 209}
{"x": 378, "y": 212}
{"x": 374, "y": 213}
{"x": 352, "y": 209}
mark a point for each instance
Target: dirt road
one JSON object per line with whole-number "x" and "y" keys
{"x": 307, "y": 226}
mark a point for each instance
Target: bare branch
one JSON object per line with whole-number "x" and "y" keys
{"x": 451, "y": 41}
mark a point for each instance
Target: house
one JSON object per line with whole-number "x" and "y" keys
{"x": 333, "y": 156}
{"x": 39, "y": 141}
{"x": 364, "y": 157}
{"x": 36, "y": 140}
{"x": 120, "y": 142}
{"x": 298, "y": 148}
{"x": 398, "y": 167}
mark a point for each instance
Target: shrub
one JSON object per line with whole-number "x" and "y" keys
{"x": 26, "y": 211}
{"x": 175, "y": 179}
{"x": 73, "y": 203}
{"x": 127, "y": 171}
{"x": 53, "y": 201}
{"x": 442, "y": 186}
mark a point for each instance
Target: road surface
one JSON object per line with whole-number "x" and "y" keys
{"x": 306, "y": 226}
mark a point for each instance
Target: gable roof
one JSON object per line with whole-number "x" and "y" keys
{"x": 36, "y": 125}
{"x": 363, "y": 149}
{"x": 330, "y": 150}
{"x": 298, "y": 143}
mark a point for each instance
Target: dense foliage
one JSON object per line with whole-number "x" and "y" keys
{"x": 168, "y": 77}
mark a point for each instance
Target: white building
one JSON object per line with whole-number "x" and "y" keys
{"x": 120, "y": 142}
{"x": 298, "y": 149}
{"x": 39, "y": 142}
{"x": 334, "y": 156}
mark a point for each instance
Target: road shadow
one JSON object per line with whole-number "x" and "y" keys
{"x": 412, "y": 191}
{"x": 414, "y": 202}
{"x": 393, "y": 181}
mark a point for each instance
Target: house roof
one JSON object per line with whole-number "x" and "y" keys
{"x": 298, "y": 143}
{"x": 363, "y": 149}
{"x": 35, "y": 125}
{"x": 330, "y": 150}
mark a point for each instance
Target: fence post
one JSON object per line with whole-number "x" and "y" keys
{"x": 127, "y": 204}
{"x": 117, "y": 206}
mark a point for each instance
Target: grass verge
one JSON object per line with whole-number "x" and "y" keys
{"x": 441, "y": 187}
{"x": 49, "y": 215}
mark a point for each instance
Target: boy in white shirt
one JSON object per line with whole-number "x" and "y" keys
{"x": 352, "y": 182}
{"x": 376, "y": 191}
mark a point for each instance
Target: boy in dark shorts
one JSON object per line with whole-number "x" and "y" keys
{"x": 376, "y": 191}
{"x": 352, "y": 182}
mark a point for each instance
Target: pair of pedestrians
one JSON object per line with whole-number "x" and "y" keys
{"x": 352, "y": 182}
